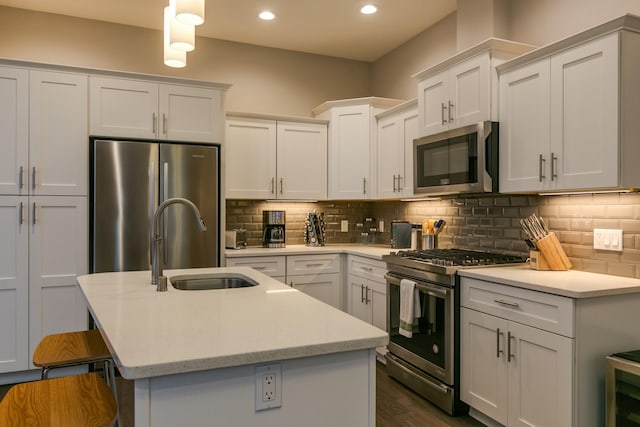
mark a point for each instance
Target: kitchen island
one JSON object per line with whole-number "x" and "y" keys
{"x": 194, "y": 355}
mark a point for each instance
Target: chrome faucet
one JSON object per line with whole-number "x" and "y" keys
{"x": 156, "y": 242}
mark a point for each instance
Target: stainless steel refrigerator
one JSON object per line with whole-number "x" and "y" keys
{"x": 128, "y": 181}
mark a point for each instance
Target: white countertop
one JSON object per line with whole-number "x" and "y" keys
{"x": 154, "y": 333}
{"x": 374, "y": 252}
{"x": 570, "y": 283}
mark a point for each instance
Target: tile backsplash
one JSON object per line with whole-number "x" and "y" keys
{"x": 484, "y": 222}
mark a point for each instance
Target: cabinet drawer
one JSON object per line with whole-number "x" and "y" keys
{"x": 274, "y": 266}
{"x": 367, "y": 268}
{"x": 551, "y": 313}
{"x": 313, "y": 264}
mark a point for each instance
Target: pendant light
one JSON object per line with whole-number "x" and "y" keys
{"x": 181, "y": 36}
{"x": 172, "y": 57}
{"x": 189, "y": 11}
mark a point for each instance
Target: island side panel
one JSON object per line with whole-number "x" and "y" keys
{"x": 334, "y": 389}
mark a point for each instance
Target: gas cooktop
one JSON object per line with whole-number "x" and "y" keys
{"x": 447, "y": 261}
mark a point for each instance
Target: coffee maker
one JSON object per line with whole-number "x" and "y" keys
{"x": 273, "y": 235}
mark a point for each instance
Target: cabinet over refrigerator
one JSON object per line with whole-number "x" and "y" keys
{"x": 129, "y": 178}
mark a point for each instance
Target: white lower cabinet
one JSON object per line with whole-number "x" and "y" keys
{"x": 316, "y": 275}
{"x": 515, "y": 374}
{"x": 367, "y": 290}
{"x": 43, "y": 249}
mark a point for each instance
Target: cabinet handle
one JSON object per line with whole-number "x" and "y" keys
{"x": 450, "y": 111}
{"x": 364, "y": 185}
{"x": 369, "y": 269}
{"x": 34, "y": 213}
{"x": 164, "y": 123}
{"x": 319, "y": 264}
{"x": 258, "y": 267}
{"x": 366, "y": 295}
{"x": 362, "y": 293}
{"x": 498, "y": 335}
{"x": 273, "y": 184}
{"x": 21, "y": 177}
{"x": 509, "y": 355}
{"x": 541, "y": 162}
{"x": 33, "y": 178}
{"x": 399, "y": 180}
{"x": 554, "y": 164}
{"x": 21, "y": 214}
{"x": 291, "y": 283}
{"x": 394, "y": 182}
{"x": 444, "y": 119}
{"x": 507, "y": 303}
{"x": 155, "y": 123}
{"x": 281, "y": 186}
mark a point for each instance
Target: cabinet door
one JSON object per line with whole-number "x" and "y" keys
{"x": 190, "y": 114}
{"x": 390, "y": 157}
{"x": 350, "y": 153}
{"x": 14, "y": 284}
{"x": 58, "y": 253}
{"x": 470, "y": 92}
{"x": 250, "y": 159}
{"x": 357, "y": 306}
{"x": 123, "y": 108}
{"x": 524, "y": 128}
{"x": 324, "y": 287}
{"x": 540, "y": 378}
{"x": 433, "y": 104}
{"x": 14, "y": 130}
{"x": 378, "y": 302}
{"x": 409, "y": 132}
{"x": 301, "y": 161}
{"x": 584, "y": 115}
{"x": 483, "y": 362}
{"x": 58, "y": 138}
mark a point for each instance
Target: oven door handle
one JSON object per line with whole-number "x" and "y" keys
{"x": 436, "y": 291}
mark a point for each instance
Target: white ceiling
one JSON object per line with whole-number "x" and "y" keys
{"x": 325, "y": 27}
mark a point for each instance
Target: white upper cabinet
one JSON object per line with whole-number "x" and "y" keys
{"x": 14, "y": 129}
{"x": 568, "y": 113}
{"x": 463, "y": 89}
{"x": 353, "y": 146}
{"x": 43, "y": 132}
{"x": 397, "y": 128}
{"x": 275, "y": 159}
{"x": 142, "y": 109}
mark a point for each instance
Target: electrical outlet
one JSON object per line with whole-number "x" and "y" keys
{"x": 607, "y": 240}
{"x": 344, "y": 226}
{"x": 268, "y": 386}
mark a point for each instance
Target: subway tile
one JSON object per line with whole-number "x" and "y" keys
{"x": 622, "y": 269}
{"x": 620, "y": 211}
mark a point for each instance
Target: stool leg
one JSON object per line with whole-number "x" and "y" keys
{"x": 45, "y": 372}
{"x": 110, "y": 373}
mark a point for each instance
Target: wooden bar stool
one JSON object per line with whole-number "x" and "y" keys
{"x": 77, "y": 400}
{"x": 73, "y": 349}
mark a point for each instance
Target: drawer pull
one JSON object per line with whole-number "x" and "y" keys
{"x": 369, "y": 269}
{"x": 507, "y": 303}
{"x": 259, "y": 267}
{"x": 318, "y": 264}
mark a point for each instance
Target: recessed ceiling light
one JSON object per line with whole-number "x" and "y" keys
{"x": 267, "y": 16}
{"x": 368, "y": 9}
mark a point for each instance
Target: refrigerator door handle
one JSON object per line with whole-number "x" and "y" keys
{"x": 165, "y": 222}
{"x": 152, "y": 207}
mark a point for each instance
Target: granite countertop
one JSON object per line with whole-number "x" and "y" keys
{"x": 369, "y": 251}
{"x": 154, "y": 333}
{"x": 570, "y": 283}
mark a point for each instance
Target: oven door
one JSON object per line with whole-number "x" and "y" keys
{"x": 431, "y": 347}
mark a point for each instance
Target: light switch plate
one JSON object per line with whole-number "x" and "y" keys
{"x": 607, "y": 239}
{"x": 344, "y": 226}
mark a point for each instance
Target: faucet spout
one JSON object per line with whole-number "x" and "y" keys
{"x": 156, "y": 240}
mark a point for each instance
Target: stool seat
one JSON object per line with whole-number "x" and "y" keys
{"x": 71, "y": 348}
{"x": 78, "y": 400}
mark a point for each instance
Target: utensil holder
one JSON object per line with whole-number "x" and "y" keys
{"x": 429, "y": 241}
{"x": 550, "y": 255}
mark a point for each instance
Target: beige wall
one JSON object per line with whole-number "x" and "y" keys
{"x": 479, "y": 20}
{"x": 264, "y": 80}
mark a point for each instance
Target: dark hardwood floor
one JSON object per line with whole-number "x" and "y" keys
{"x": 396, "y": 406}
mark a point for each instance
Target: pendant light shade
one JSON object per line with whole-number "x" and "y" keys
{"x": 189, "y": 11}
{"x": 181, "y": 36}
{"x": 172, "y": 57}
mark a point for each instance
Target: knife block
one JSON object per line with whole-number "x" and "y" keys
{"x": 550, "y": 255}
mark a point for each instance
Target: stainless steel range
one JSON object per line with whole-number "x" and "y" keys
{"x": 428, "y": 362}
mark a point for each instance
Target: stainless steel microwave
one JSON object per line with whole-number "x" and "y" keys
{"x": 463, "y": 160}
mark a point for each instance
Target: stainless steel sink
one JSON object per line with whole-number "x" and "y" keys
{"x": 201, "y": 282}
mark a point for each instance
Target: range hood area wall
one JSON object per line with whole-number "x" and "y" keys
{"x": 484, "y": 222}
